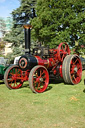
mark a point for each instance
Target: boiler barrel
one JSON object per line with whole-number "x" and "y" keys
{"x": 27, "y": 62}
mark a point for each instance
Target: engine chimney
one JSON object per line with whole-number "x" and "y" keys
{"x": 27, "y": 29}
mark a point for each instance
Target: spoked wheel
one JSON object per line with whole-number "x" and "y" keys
{"x": 72, "y": 69}
{"x": 38, "y": 79}
{"x": 12, "y": 77}
{"x": 63, "y": 50}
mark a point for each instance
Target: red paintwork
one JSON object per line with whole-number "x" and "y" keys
{"x": 25, "y": 62}
{"x": 60, "y": 71}
{"x": 40, "y": 79}
{"x": 76, "y": 70}
{"x": 53, "y": 62}
{"x": 17, "y": 78}
{"x": 56, "y": 57}
{"x": 62, "y": 51}
{"x": 23, "y": 76}
{"x": 42, "y": 62}
{"x": 48, "y": 63}
{"x": 40, "y": 75}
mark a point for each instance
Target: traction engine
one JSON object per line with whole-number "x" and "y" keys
{"x": 43, "y": 63}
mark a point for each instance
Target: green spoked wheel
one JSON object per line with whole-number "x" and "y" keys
{"x": 38, "y": 79}
{"x": 72, "y": 69}
{"x": 12, "y": 77}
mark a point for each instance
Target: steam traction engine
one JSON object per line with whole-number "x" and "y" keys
{"x": 41, "y": 64}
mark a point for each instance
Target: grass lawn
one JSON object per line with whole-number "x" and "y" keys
{"x": 61, "y": 106}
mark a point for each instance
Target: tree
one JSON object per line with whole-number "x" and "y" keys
{"x": 16, "y": 36}
{"x": 2, "y": 45}
{"x": 59, "y": 21}
{"x": 20, "y": 16}
{"x": 26, "y": 11}
{"x": 2, "y": 26}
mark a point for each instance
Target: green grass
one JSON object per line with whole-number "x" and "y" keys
{"x": 61, "y": 106}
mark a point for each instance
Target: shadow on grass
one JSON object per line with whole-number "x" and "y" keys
{"x": 59, "y": 81}
{"x": 1, "y": 82}
{"x": 55, "y": 81}
{"x": 84, "y": 90}
{"x": 25, "y": 85}
{"x": 48, "y": 88}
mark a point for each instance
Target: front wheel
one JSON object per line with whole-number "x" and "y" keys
{"x": 38, "y": 79}
{"x": 12, "y": 77}
{"x": 72, "y": 69}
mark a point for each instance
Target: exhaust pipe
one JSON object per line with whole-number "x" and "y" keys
{"x": 27, "y": 29}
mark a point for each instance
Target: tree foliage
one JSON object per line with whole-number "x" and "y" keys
{"x": 2, "y": 26}
{"x": 15, "y": 36}
{"x": 59, "y": 21}
{"x": 2, "y": 45}
{"x": 53, "y": 21}
{"x": 20, "y": 16}
{"x": 26, "y": 11}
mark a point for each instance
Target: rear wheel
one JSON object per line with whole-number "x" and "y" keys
{"x": 38, "y": 79}
{"x": 12, "y": 77}
{"x": 72, "y": 69}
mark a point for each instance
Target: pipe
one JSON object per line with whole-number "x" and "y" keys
{"x": 27, "y": 29}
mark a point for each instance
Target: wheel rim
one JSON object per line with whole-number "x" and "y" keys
{"x": 63, "y": 50}
{"x": 40, "y": 79}
{"x": 14, "y": 78}
{"x": 75, "y": 70}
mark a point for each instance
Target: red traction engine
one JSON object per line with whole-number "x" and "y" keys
{"x": 43, "y": 63}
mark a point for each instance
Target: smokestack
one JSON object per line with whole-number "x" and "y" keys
{"x": 27, "y": 29}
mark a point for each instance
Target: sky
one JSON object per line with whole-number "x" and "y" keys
{"x": 7, "y": 6}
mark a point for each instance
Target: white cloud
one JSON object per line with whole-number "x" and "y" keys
{"x": 1, "y": 1}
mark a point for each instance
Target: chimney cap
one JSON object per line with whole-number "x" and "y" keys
{"x": 27, "y": 26}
